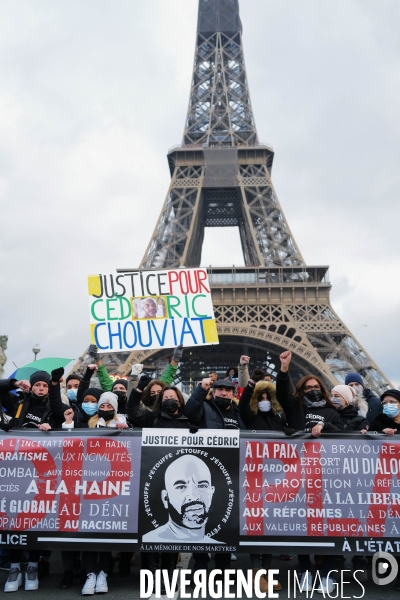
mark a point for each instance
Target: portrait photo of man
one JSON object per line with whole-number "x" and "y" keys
{"x": 187, "y": 496}
{"x": 149, "y": 308}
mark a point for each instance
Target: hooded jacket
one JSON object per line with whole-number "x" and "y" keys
{"x": 253, "y": 418}
{"x": 206, "y": 414}
{"x": 301, "y": 417}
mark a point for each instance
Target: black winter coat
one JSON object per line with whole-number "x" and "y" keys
{"x": 81, "y": 419}
{"x": 267, "y": 421}
{"x": 142, "y": 417}
{"x": 53, "y": 415}
{"x": 352, "y": 421}
{"x": 302, "y": 417}
{"x": 382, "y": 422}
{"x": 205, "y": 413}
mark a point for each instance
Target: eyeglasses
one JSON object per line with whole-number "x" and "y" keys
{"x": 309, "y": 388}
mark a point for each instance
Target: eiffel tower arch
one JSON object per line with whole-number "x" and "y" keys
{"x": 221, "y": 177}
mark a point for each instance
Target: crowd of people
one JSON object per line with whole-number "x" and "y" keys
{"x": 236, "y": 400}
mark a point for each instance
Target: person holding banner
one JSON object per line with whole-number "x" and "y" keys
{"x": 167, "y": 410}
{"x": 310, "y": 409}
{"x": 388, "y": 421}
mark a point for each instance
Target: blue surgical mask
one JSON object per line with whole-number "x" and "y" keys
{"x": 390, "y": 410}
{"x": 336, "y": 400}
{"x": 71, "y": 395}
{"x": 90, "y": 408}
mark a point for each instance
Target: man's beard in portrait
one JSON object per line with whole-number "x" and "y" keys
{"x": 194, "y": 515}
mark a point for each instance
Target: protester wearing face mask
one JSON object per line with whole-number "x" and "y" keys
{"x": 71, "y": 386}
{"x": 120, "y": 389}
{"x": 389, "y": 420}
{"x": 168, "y": 410}
{"x": 355, "y": 381}
{"x": 107, "y": 413}
{"x": 81, "y": 409}
{"x": 309, "y": 409}
{"x": 31, "y": 409}
{"x": 352, "y": 408}
{"x": 258, "y": 406}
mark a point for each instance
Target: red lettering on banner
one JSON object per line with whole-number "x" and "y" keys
{"x": 202, "y": 276}
{"x": 173, "y": 277}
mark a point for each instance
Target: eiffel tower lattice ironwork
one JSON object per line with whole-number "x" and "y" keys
{"x": 220, "y": 177}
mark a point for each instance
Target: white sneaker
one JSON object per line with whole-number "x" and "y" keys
{"x": 306, "y": 582}
{"x": 327, "y": 586}
{"x": 31, "y": 579}
{"x": 14, "y": 581}
{"x": 101, "y": 583}
{"x": 90, "y": 585}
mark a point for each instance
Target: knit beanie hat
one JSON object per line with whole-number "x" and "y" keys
{"x": 96, "y": 392}
{"x": 394, "y": 393}
{"x": 347, "y": 392}
{"x": 124, "y": 382}
{"x": 110, "y": 398}
{"x": 354, "y": 378}
{"x": 39, "y": 376}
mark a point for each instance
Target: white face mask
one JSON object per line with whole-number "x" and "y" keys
{"x": 264, "y": 406}
{"x": 359, "y": 389}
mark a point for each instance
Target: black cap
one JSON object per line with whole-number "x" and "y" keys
{"x": 124, "y": 382}
{"x": 96, "y": 392}
{"x": 39, "y": 376}
{"x": 226, "y": 383}
{"x": 394, "y": 393}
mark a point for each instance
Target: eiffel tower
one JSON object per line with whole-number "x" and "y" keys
{"x": 221, "y": 177}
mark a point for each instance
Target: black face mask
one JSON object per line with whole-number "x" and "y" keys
{"x": 314, "y": 395}
{"x": 107, "y": 415}
{"x": 121, "y": 395}
{"x": 170, "y": 406}
{"x": 222, "y": 403}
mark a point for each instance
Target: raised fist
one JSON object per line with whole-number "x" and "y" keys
{"x": 57, "y": 374}
{"x": 244, "y": 360}
{"x": 285, "y": 359}
{"x": 205, "y": 384}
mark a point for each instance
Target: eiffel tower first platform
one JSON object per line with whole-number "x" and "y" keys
{"x": 221, "y": 177}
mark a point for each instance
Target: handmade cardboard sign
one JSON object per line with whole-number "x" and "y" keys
{"x": 151, "y": 309}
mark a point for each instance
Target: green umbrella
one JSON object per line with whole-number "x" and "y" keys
{"x": 42, "y": 364}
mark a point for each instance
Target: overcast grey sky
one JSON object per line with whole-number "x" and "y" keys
{"x": 94, "y": 92}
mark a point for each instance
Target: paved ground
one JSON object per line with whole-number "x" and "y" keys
{"x": 123, "y": 588}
